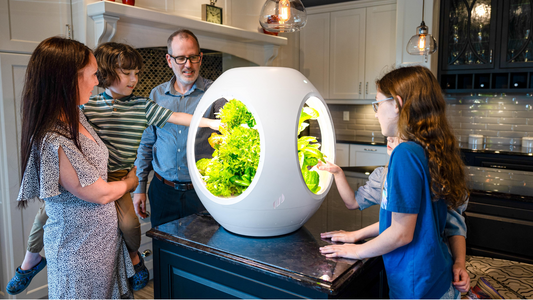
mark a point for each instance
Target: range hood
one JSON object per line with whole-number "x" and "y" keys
{"x": 141, "y": 28}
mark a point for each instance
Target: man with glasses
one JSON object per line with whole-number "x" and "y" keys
{"x": 164, "y": 150}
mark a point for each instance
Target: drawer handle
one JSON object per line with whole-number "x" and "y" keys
{"x": 146, "y": 253}
{"x": 367, "y": 149}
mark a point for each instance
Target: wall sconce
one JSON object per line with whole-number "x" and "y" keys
{"x": 283, "y": 16}
{"x": 422, "y": 43}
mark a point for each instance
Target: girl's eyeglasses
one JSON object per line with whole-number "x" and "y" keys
{"x": 375, "y": 104}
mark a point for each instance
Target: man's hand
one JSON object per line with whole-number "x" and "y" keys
{"x": 139, "y": 204}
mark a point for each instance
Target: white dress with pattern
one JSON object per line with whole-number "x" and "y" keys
{"x": 87, "y": 257}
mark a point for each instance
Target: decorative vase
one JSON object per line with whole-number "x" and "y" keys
{"x": 129, "y": 2}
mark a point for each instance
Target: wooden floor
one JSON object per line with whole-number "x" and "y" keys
{"x": 147, "y": 292}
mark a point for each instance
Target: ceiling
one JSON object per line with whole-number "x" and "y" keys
{"x": 309, "y": 3}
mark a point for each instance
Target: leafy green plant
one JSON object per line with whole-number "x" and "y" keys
{"x": 309, "y": 151}
{"x": 236, "y": 155}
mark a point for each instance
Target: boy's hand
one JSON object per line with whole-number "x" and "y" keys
{"x": 139, "y": 204}
{"x": 329, "y": 167}
{"x": 461, "y": 280}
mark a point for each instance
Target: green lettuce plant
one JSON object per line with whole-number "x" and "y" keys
{"x": 236, "y": 156}
{"x": 309, "y": 151}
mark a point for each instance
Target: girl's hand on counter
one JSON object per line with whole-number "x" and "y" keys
{"x": 329, "y": 167}
{"x": 346, "y": 250}
{"x": 341, "y": 236}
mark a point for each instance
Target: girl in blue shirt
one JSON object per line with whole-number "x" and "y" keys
{"x": 425, "y": 177}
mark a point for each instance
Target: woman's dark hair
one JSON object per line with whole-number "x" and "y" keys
{"x": 423, "y": 120}
{"x": 112, "y": 56}
{"x": 50, "y": 96}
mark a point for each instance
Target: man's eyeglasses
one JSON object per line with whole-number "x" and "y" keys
{"x": 180, "y": 60}
{"x": 375, "y": 104}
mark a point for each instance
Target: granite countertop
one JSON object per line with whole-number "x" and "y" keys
{"x": 497, "y": 149}
{"x": 361, "y": 140}
{"x": 294, "y": 256}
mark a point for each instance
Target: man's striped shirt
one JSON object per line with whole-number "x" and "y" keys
{"x": 120, "y": 123}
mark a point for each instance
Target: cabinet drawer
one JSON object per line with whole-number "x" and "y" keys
{"x": 365, "y": 155}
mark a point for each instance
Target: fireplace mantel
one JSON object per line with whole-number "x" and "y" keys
{"x": 142, "y": 27}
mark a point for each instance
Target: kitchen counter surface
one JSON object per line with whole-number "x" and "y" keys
{"x": 361, "y": 140}
{"x": 497, "y": 149}
{"x": 293, "y": 257}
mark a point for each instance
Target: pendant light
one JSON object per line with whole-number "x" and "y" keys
{"x": 283, "y": 16}
{"x": 422, "y": 43}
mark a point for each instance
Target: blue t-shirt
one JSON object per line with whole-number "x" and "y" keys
{"x": 422, "y": 268}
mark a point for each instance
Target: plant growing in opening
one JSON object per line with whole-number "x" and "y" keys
{"x": 236, "y": 155}
{"x": 309, "y": 151}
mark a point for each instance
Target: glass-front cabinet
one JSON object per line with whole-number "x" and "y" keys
{"x": 469, "y": 35}
{"x": 517, "y": 35}
{"x": 486, "y": 46}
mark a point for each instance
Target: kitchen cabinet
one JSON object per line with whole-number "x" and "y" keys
{"x": 342, "y": 155}
{"x": 486, "y": 45}
{"x": 16, "y": 223}
{"x": 343, "y": 51}
{"x": 24, "y": 24}
{"x": 367, "y": 155}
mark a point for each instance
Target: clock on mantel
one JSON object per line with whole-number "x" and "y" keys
{"x": 211, "y": 13}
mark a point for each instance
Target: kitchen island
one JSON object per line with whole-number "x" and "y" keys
{"x": 194, "y": 257}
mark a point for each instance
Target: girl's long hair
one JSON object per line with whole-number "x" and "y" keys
{"x": 50, "y": 96}
{"x": 423, "y": 120}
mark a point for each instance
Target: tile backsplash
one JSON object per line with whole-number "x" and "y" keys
{"x": 362, "y": 123}
{"x": 501, "y": 119}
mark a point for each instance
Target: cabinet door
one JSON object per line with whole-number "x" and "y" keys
{"x": 380, "y": 56}
{"x": 468, "y": 34}
{"x": 314, "y": 54}
{"x": 364, "y": 155}
{"x": 342, "y": 155}
{"x": 24, "y": 24}
{"x": 517, "y": 34}
{"x": 347, "y": 56}
{"x": 16, "y": 223}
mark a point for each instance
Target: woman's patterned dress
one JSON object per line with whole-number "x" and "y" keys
{"x": 87, "y": 257}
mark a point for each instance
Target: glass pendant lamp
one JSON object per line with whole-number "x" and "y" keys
{"x": 283, "y": 15}
{"x": 422, "y": 43}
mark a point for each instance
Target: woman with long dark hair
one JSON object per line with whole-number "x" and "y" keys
{"x": 65, "y": 164}
{"x": 425, "y": 177}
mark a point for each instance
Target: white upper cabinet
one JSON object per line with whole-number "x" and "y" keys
{"x": 24, "y": 24}
{"x": 380, "y": 45}
{"x": 344, "y": 48}
{"x": 314, "y": 52}
{"x": 347, "y": 59}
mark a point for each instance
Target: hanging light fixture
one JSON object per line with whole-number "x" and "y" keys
{"x": 422, "y": 43}
{"x": 283, "y": 16}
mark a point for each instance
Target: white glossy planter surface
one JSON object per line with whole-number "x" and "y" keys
{"x": 277, "y": 201}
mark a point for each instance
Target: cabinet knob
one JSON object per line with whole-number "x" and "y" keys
{"x": 516, "y": 84}
{"x": 482, "y": 85}
{"x": 366, "y": 88}
{"x": 146, "y": 253}
{"x": 360, "y": 84}
{"x": 370, "y": 149}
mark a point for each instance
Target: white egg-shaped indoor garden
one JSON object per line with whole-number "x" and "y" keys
{"x": 262, "y": 179}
